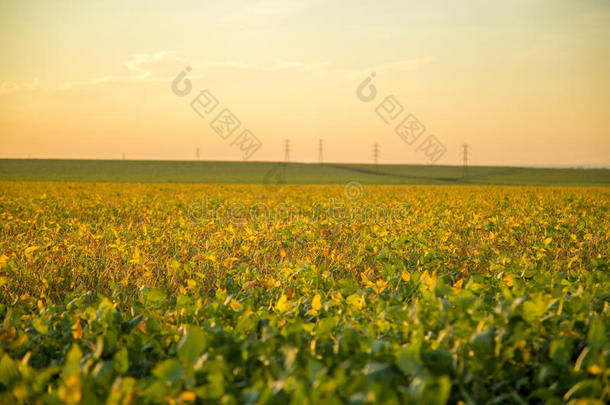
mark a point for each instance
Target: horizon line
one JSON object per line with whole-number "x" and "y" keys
{"x": 532, "y": 166}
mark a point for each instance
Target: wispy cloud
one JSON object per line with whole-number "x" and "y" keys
{"x": 163, "y": 65}
{"x": 142, "y": 68}
{"x": 7, "y": 86}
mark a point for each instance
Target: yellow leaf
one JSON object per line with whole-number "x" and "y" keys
{"x": 228, "y": 261}
{"x": 29, "y": 251}
{"x": 77, "y": 330}
{"x": 282, "y": 253}
{"x": 312, "y": 346}
{"x": 136, "y": 257}
{"x": 406, "y": 276}
{"x": 508, "y": 281}
{"x": 271, "y": 282}
{"x": 336, "y": 296}
{"x": 235, "y": 305}
{"x": 282, "y": 304}
{"x": 595, "y": 369}
{"x": 355, "y": 301}
{"x": 547, "y": 241}
{"x": 316, "y": 304}
{"x": 188, "y": 396}
{"x": 427, "y": 279}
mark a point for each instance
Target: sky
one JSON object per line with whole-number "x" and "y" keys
{"x": 522, "y": 82}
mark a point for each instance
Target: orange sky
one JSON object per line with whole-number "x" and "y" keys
{"x": 522, "y": 82}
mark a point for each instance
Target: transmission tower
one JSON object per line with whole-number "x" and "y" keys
{"x": 376, "y": 154}
{"x": 465, "y": 176}
{"x": 320, "y": 151}
{"x": 287, "y": 150}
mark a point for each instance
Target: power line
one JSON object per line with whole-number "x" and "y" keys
{"x": 287, "y": 150}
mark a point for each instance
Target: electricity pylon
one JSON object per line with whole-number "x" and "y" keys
{"x": 287, "y": 150}
{"x": 465, "y": 176}
{"x": 320, "y": 151}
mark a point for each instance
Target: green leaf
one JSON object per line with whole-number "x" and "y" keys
{"x": 584, "y": 389}
{"x": 561, "y": 351}
{"x": 191, "y": 345}
{"x": 8, "y": 370}
{"x": 597, "y": 333}
{"x": 313, "y": 368}
{"x": 216, "y": 385}
{"x": 153, "y": 295}
{"x": 155, "y": 391}
{"x": 169, "y": 371}
{"x": 41, "y": 325}
{"x": 325, "y": 326}
{"x": 438, "y": 362}
{"x": 72, "y": 365}
{"x": 431, "y": 391}
{"x": 120, "y": 361}
{"x": 103, "y": 373}
{"x": 408, "y": 360}
{"x": 483, "y": 343}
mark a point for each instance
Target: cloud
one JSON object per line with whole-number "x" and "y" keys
{"x": 143, "y": 68}
{"x": 164, "y": 65}
{"x": 7, "y": 87}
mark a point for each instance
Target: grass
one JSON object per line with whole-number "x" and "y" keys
{"x": 291, "y": 173}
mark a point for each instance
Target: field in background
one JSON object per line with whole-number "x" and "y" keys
{"x": 291, "y": 173}
{"x": 147, "y": 293}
